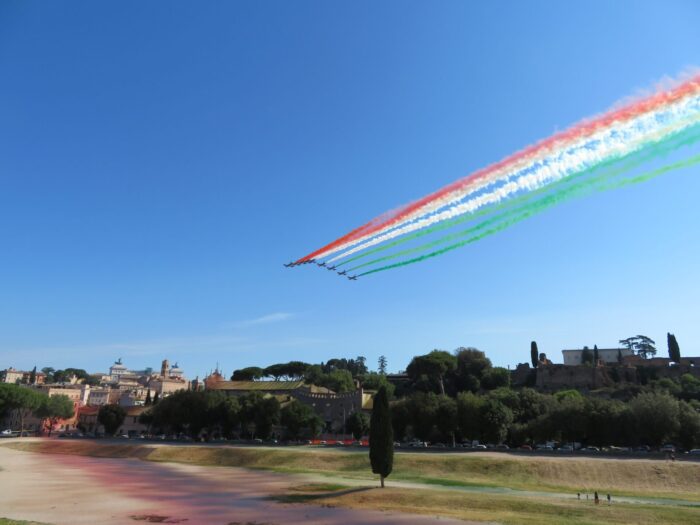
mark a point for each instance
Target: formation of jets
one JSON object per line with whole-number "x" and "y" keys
{"x": 292, "y": 263}
{"x": 322, "y": 265}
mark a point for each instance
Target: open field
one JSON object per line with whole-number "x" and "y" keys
{"x": 479, "y": 488}
{"x": 81, "y": 490}
{"x": 650, "y": 479}
{"x": 490, "y": 508}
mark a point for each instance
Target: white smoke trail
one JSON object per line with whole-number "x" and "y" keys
{"x": 607, "y": 144}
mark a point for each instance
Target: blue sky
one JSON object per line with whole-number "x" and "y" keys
{"x": 159, "y": 162}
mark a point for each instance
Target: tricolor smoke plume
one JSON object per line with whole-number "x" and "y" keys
{"x": 614, "y": 136}
{"x": 634, "y": 136}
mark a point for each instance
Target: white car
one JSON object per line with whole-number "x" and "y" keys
{"x": 7, "y": 432}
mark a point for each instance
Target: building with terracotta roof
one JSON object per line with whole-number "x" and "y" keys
{"x": 14, "y": 376}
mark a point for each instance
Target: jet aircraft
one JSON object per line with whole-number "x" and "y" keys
{"x": 352, "y": 277}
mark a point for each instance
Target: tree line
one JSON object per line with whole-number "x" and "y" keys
{"x": 214, "y": 414}
{"x": 460, "y": 396}
{"x": 26, "y": 402}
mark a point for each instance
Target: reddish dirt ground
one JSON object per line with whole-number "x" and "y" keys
{"x": 73, "y": 490}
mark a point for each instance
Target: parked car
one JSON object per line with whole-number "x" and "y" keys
{"x": 591, "y": 449}
{"x": 525, "y": 447}
{"x": 668, "y": 447}
{"x": 566, "y": 448}
{"x": 502, "y": 446}
{"x": 618, "y": 450}
{"x": 694, "y": 452}
{"x": 479, "y": 447}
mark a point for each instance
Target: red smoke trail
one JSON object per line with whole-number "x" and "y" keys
{"x": 587, "y": 127}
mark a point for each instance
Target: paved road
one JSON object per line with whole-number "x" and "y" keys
{"x": 75, "y": 490}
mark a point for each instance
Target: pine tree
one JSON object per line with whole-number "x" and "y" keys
{"x": 381, "y": 436}
{"x": 533, "y": 354}
{"x": 674, "y": 351}
{"x": 382, "y": 365}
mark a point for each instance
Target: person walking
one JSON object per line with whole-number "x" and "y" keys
{"x": 608, "y": 499}
{"x": 595, "y": 497}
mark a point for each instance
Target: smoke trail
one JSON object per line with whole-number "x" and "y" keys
{"x": 544, "y": 204}
{"x": 633, "y": 160}
{"x": 557, "y": 141}
{"x": 618, "y": 143}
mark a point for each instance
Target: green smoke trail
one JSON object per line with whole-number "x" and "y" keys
{"x": 565, "y": 188}
{"x": 631, "y": 160}
{"x": 538, "y": 207}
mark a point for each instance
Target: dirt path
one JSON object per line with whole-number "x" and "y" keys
{"x": 62, "y": 489}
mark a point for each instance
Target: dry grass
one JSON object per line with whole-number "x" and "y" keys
{"x": 646, "y": 478}
{"x": 508, "y": 510}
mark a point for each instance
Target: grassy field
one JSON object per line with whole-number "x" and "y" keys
{"x": 489, "y": 508}
{"x": 644, "y": 478}
{"x": 340, "y": 471}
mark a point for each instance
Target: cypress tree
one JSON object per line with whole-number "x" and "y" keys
{"x": 586, "y": 356}
{"x": 674, "y": 351}
{"x": 596, "y": 357}
{"x": 381, "y": 436}
{"x": 156, "y": 398}
{"x": 533, "y": 354}
{"x": 148, "y": 398}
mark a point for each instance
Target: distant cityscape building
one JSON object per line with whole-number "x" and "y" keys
{"x": 117, "y": 370}
{"x": 14, "y": 376}
{"x": 607, "y": 355}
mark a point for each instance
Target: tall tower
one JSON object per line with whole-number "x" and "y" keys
{"x": 165, "y": 368}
